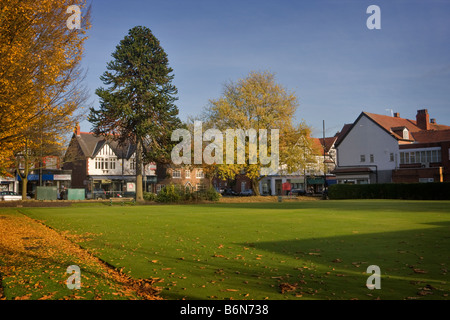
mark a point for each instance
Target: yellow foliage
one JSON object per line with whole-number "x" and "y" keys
{"x": 258, "y": 102}
{"x": 39, "y": 57}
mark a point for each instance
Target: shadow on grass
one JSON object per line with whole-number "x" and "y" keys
{"x": 413, "y": 263}
{"x": 344, "y": 205}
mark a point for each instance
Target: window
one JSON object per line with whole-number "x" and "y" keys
{"x": 187, "y": 173}
{"x": 435, "y": 156}
{"x": 363, "y": 158}
{"x": 159, "y": 187}
{"x": 99, "y": 163}
{"x": 112, "y": 163}
{"x": 420, "y": 157}
{"x": 133, "y": 164}
{"x": 412, "y": 157}
{"x": 372, "y": 158}
{"x": 199, "y": 174}
{"x": 391, "y": 157}
{"x": 176, "y": 174}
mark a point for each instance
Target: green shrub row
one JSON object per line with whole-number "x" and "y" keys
{"x": 406, "y": 191}
{"x": 174, "y": 193}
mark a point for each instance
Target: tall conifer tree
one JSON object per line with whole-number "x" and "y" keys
{"x": 138, "y": 104}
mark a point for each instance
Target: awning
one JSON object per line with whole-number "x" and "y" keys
{"x": 35, "y": 177}
{"x": 116, "y": 178}
{"x": 315, "y": 181}
{"x": 354, "y": 170}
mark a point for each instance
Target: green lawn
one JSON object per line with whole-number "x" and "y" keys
{"x": 298, "y": 250}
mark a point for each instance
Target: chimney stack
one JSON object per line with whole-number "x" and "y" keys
{"x": 77, "y": 130}
{"x": 396, "y": 115}
{"x": 433, "y": 121}
{"x": 423, "y": 119}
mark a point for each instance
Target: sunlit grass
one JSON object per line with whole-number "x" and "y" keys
{"x": 301, "y": 250}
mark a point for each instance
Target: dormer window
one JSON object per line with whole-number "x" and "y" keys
{"x": 403, "y": 132}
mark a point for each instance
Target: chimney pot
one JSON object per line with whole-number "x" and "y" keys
{"x": 433, "y": 121}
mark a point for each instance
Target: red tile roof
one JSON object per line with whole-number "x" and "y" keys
{"x": 341, "y": 135}
{"x": 436, "y": 133}
{"x": 327, "y": 142}
{"x": 431, "y": 136}
{"x": 387, "y": 123}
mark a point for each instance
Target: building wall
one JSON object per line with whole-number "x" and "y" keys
{"x": 186, "y": 178}
{"x": 122, "y": 166}
{"x": 415, "y": 175}
{"x": 366, "y": 138}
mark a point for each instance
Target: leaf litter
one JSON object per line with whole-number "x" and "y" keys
{"x": 34, "y": 259}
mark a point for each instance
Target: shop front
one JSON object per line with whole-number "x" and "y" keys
{"x": 61, "y": 179}
{"x": 8, "y": 184}
{"x": 101, "y": 187}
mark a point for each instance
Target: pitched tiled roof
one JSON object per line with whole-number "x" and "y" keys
{"x": 345, "y": 129}
{"x": 391, "y": 124}
{"x": 91, "y": 145}
{"x": 328, "y": 142}
{"x": 431, "y": 136}
{"x": 388, "y": 123}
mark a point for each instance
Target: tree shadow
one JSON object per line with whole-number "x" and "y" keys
{"x": 413, "y": 263}
{"x": 341, "y": 205}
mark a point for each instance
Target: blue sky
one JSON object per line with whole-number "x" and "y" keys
{"x": 320, "y": 50}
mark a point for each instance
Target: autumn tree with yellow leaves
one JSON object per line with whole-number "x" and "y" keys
{"x": 258, "y": 102}
{"x": 40, "y": 76}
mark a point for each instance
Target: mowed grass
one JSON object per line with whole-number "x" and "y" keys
{"x": 297, "y": 250}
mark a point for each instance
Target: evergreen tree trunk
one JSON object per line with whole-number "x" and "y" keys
{"x": 139, "y": 192}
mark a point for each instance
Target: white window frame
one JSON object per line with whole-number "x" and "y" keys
{"x": 199, "y": 174}
{"x": 176, "y": 174}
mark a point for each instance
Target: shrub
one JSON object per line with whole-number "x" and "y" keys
{"x": 169, "y": 194}
{"x": 212, "y": 194}
{"x": 148, "y": 196}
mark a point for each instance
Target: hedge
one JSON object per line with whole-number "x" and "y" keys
{"x": 406, "y": 191}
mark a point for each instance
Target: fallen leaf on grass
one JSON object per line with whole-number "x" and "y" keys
{"x": 419, "y": 271}
{"x": 287, "y": 287}
{"x": 230, "y": 290}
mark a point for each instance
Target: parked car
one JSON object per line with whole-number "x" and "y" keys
{"x": 99, "y": 194}
{"x": 229, "y": 192}
{"x": 10, "y": 196}
{"x": 298, "y": 192}
{"x": 246, "y": 193}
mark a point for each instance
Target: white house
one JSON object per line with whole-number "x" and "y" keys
{"x": 101, "y": 164}
{"x": 368, "y": 151}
